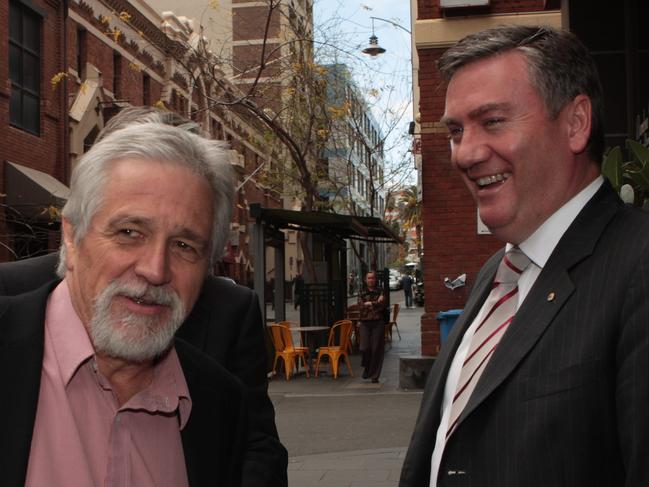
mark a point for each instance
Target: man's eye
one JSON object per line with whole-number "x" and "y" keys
{"x": 492, "y": 122}
{"x": 187, "y": 251}
{"x": 129, "y": 233}
{"x": 184, "y": 246}
{"x": 454, "y": 133}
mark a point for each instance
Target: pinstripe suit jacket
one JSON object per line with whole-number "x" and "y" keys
{"x": 564, "y": 401}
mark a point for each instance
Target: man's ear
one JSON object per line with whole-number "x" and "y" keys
{"x": 68, "y": 241}
{"x": 579, "y": 114}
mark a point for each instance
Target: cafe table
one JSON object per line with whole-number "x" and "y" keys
{"x": 306, "y": 331}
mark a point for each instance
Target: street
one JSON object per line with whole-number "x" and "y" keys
{"x": 348, "y": 431}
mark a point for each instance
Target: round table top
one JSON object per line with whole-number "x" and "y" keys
{"x": 309, "y": 328}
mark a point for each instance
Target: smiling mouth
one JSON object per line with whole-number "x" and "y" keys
{"x": 142, "y": 301}
{"x": 492, "y": 179}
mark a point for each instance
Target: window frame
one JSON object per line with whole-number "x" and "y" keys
{"x": 25, "y": 51}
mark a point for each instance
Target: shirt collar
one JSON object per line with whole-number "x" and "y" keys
{"x": 540, "y": 245}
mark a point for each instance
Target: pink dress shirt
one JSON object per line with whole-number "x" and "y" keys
{"x": 82, "y": 437}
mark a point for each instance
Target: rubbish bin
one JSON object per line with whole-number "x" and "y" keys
{"x": 446, "y": 321}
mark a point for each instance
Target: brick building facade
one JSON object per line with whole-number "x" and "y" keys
{"x": 454, "y": 240}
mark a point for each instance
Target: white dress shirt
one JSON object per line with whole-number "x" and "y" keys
{"x": 538, "y": 247}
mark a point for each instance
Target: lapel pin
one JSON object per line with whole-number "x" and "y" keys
{"x": 551, "y": 296}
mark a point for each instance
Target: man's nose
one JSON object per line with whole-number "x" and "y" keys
{"x": 472, "y": 149}
{"x": 153, "y": 264}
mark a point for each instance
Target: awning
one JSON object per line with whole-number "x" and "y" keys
{"x": 345, "y": 226}
{"x": 32, "y": 193}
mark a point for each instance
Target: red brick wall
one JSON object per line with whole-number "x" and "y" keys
{"x": 41, "y": 152}
{"x": 248, "y": 59}
{"x": 430, "y": 9}
{"x": 131, "y": 83}
{"x": 452, "y": 245}
{"x": 71, "y": 35}
{"x": 250, "y": 22}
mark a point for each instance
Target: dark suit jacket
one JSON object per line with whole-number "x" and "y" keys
{"x": 564, "y": 401}
{"x": 226, "y": 324}
{"x": 213, "y": 439}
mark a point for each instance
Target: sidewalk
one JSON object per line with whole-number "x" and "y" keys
{"x": 349, "y": 432}
{"x": 362, "y": 468}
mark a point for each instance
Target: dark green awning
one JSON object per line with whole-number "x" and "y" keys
{"x": 344, "y": 226}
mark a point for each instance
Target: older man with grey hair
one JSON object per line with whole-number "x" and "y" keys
{"x": 544, "y": 380}
{"x": 100, "y": 392}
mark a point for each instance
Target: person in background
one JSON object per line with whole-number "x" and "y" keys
{"x": 406, "y": 282}
{"x": 372, "y": 305}
{"x": 298, "y": 290}
{"x": 544, "y": 379}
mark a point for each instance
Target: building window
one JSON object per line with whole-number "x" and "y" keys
{"x": 117, "y": 75}
{"x": 146, "y": 89}
{"x": 81, "y": 50}
{"x": 24, "y": 67}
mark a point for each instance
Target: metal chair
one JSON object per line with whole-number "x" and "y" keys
{"x": 291, "y": 325}
{"x": 392, "y": 323}
{"x": 335, "y": 351}
{"x": 284, "y": 349}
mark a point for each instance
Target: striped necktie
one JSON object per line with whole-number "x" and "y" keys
{"x": 501, "y": 306}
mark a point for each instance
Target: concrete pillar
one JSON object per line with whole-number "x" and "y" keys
{"x": 280, "y": 302}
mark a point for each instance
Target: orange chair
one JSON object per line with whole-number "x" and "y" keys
{"x": 392, "y": 323}
{"x": 291, "y": 325}
{"x": 284, "y": 349}
{"x": 335, "y": 351}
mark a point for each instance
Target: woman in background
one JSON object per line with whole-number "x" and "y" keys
{"x": 372, "y": 304}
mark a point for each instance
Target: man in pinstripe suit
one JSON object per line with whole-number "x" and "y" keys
{"x": 560, "y": 396}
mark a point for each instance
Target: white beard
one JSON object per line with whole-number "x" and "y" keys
{"x": 124, "y": 334}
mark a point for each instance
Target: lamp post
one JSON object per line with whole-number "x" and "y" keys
{"x": 373, "y": 49}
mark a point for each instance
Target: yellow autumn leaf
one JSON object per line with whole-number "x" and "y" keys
{"x": 57, "y": 78}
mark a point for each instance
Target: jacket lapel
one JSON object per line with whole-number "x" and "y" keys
{"x": 474, "y": 303}
{"x": 214, "y": 437}
{"x": 548, "y": 295}
{"x": 22, "y": 320}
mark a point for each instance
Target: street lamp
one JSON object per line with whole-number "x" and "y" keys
{"x": 373, "y": 49}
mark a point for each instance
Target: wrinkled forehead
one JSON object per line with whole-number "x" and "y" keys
{"x": 496, "y": 81}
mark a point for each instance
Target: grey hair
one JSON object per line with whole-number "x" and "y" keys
{"x": 560, "y": 68}
{"x": 145, "y": 114}
{"x": 150, "y": 141}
